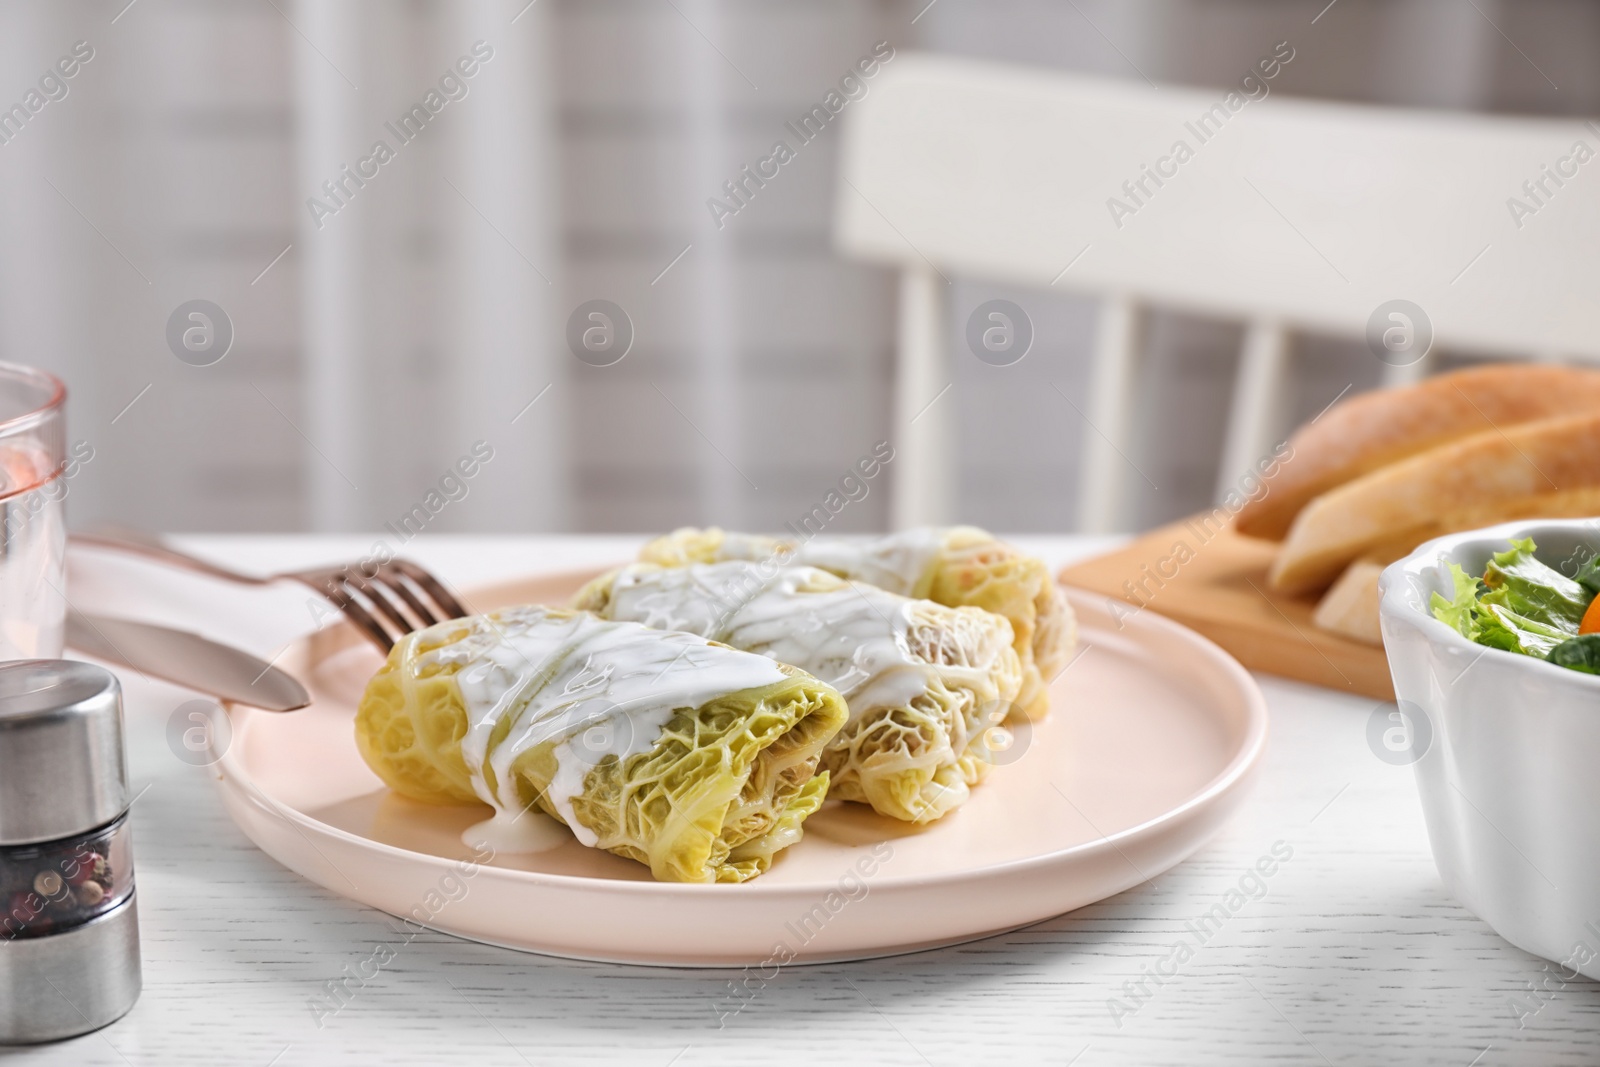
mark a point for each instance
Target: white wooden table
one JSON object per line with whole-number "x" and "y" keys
{"x": 1355, "y": 954}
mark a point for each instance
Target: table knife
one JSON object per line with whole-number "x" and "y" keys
{"x": 187, "y": 659}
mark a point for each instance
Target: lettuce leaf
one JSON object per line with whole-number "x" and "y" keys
{"x": 1500, "y": 627}
{"x": 1588, "y": 575}
{"x": 1522, "y": 605}
{"x": 1532, "y": 590}
{"x": 1459, "y": 612}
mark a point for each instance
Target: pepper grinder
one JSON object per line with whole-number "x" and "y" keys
{"x": 69, "y": 931}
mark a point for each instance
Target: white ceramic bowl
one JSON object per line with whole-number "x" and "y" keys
{"x": 1510, "y": 776}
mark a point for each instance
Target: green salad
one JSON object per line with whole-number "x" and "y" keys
{"x": 1522, "y": 605}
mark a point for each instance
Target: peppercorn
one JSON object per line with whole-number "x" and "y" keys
{"x": 81, "y": 869}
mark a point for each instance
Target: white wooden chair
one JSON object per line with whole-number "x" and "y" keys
{"x": 1290, "y": 214}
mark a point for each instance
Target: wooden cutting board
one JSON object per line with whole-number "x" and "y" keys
{"x": 1218, "y": 586}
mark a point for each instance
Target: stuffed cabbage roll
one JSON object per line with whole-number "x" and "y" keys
{"x": 925, "y": 683}
{"x": 959, "y": 566}
{"x": 695, "y": 759}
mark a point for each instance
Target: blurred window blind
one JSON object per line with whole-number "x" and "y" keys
{"x": 373, "y": 347}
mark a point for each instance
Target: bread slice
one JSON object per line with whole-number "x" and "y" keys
{"x": 1375, "y": 429}
{"x": 1350, "y": 608}
{"x": 1543, "y": 469}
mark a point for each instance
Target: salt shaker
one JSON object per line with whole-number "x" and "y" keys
{"x": 69, "y": 931}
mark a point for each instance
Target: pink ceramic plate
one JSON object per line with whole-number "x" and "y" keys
{"x": 1152, "y": 739}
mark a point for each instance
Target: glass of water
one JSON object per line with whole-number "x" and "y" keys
{"x": 33, "y": 534}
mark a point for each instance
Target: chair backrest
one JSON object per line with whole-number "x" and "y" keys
{"x": 1285, "y": 212}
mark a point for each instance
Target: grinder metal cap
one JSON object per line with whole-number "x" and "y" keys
{"x": 62, "y": 769}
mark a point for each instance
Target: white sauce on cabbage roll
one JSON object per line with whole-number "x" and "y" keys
{"x": 512, "y": 833}
{"x": 594, "y": 687}
{"x": 754, "y": 547}
{"x": 850, "y": 636}
{"x": 896, "y": 562}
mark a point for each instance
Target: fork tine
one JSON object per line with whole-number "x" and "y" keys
{"x": 360, "y": 583}
{"x": 393, "y": 581}
{"x": 424, "y": 579}
{"x": 379, "y": 602}
{"x": 352, "y": 609}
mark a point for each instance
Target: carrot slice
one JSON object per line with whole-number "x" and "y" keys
{"x": 1591, "y": 618}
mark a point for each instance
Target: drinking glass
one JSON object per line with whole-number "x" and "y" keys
{"x": 33, "y": 532}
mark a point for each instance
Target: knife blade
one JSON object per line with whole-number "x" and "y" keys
{"x": 187, "y": 659}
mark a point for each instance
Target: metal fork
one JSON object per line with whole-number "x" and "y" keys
{"x": 385, "y": 600}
